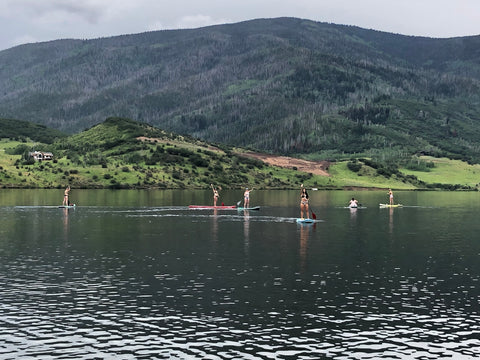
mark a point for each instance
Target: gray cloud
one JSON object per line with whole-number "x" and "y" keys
{"x": 88, "y": 10}
{"x": 42, "y": 20}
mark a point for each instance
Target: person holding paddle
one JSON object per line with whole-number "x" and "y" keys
{"x": 246, "y": 197}
{"x": 215, "y": 195}
{"x": 353, "y": 203}
{"x": 303, "y": 202}
{"x": 390, "y": 196}
{"x": 65, "y": 196}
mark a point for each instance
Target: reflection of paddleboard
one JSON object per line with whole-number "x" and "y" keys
{"x": 305, "y": 221}
{"x": 67, "y": 206}
{"x": 249, "y": 208}
{"x": 388, "y": 205}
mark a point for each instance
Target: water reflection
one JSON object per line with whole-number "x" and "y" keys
{"x": 306, "y": 231}
{"x": 65, "y": 223}
{"x": 148, "y": 283}
{"x": 353, "y": 214}
{"x": 246, "y": 229}
{"x": 215, "y": 225}
{"x": 390, "y": 220}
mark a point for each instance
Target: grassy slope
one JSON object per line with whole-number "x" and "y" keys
{"x": 112, "y": 155}
{"x": 367, "y": 177}
{"x": 448, "y": 171}
{"x": 52, "y": 175}
{"x": 118, "y": 173}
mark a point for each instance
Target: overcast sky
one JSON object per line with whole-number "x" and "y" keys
{"x": 27, "y": 21}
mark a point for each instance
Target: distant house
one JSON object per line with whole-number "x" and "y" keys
{"x": 41, "y": 156}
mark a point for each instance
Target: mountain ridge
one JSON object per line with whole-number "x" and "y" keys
{"x": 284, "y": 85}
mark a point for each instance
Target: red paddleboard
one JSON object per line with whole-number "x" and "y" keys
{"x": 212, "y": 207}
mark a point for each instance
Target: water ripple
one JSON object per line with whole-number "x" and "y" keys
{"x": 286, "y": 293}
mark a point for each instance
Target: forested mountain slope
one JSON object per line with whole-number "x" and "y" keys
{"x": 25, "y": 130}
{"x": 283, "y": 85}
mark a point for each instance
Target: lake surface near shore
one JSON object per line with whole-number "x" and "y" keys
{"x": 132, "y": 274}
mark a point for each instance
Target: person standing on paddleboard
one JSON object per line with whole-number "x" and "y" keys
{"x": 65, "y": 196}
{"x": 215, "y": 195}
{"x": 246, "y": 198}
{"x": 390, "y": 196}
{"x": 303, "y": 202}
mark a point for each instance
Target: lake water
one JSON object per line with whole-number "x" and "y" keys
{"x": 138, "y": 275}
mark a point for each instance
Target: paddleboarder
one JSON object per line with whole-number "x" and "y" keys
{"x": 390, "y": 196}
{"x": 215, "y": 195}
{"x": 353, "y": 203}
{"x": 304, "y": 202}
{"x": 65, "y": 196}
{"x": 246, "y": 198}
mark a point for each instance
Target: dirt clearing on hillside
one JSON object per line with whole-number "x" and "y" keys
{"x": 314, "y": 167}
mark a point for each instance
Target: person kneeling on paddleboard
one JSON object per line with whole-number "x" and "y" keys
{"x": 353, "y": 203}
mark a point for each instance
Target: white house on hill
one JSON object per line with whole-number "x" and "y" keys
{"x": 41, "y": 156}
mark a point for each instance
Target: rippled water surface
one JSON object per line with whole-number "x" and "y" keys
{"x": 138, "y": 275}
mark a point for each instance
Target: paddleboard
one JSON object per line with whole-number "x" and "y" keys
{"x": 388, "y": 205}
{"x": 249, "y": 208}
{"x": 67, "y": 206}
{"x": 355, "y": 207}
{"x": 305, "y": 221}
{"x": 222, "y": 207}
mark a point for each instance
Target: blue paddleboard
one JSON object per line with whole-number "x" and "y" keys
{"x": 249, "y": 208}
{"x": 305, "y": 221}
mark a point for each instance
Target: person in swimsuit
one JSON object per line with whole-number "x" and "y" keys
{"x": 353, "y": 203}
{"x": 390, "y": 196}
{"x": 246, "y": 198}
{"x": 304, "y": 202}
{"x": 215, "y": 195}
{"x": 65, "y": 196}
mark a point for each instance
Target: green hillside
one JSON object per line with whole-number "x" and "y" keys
{"x": 285, "y": 85}
{"x": 447, "y": 174}
{"x": 120, "y": 153}
{"x": 22, "y": 130}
